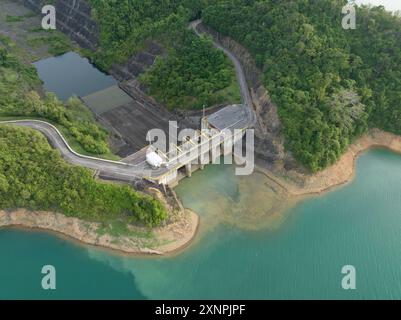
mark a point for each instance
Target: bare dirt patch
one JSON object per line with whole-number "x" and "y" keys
{"x": 168, "y": 239}
{"x": 338, "y": 174}
{"x": 24, "y": 27}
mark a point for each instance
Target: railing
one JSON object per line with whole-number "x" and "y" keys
{"x": 65, "y": 141}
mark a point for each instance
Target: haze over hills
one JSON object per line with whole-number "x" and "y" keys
{"x": 392, "y": 5}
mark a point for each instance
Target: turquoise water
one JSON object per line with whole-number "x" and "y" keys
{"x": 358, "y": 224}
{"x": 70, "y": 74}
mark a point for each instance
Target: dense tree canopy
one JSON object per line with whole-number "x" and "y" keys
{"x": 125, "y": 24}
{"x": 194, "y": 72}
{"x": 18, "y": 82}
{"x": 330, "y": 84}
{"x": 34, "y": 176}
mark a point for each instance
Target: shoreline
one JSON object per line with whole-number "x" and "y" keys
{"x": 340, "y": 173}
{"x": 180, "y": 233}
{"x": 167, "y": 240}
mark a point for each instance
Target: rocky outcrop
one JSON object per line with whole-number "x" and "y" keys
{"x": 269, "y": 142}
{"x": 138, "y": 63}
{"x": 73, "y": 18}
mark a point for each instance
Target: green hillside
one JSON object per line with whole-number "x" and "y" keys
{"x": 19, "y": 84}
{"x": 34, "y": 176}
{"x": 194, "y": 73}
{"x": 330, "y": 84}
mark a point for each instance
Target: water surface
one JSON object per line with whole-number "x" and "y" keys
{"x": 70, "y": 74}
{"x": 299, "y": 255}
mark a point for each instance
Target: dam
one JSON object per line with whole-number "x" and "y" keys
{"x": 131, "y": 120}
{"x": 220, "y": 132}
{"x": 129, "y": 117}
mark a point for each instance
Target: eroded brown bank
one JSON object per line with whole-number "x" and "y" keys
{"x": 183, "y": 226}
{"x": 164, "y": 240}
{"x": 342, "y": 171}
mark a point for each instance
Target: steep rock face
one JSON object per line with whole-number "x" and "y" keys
{"x": 138, "y": 63}
{"x": 73, "y": 18}
{"x": 269, "y": 142}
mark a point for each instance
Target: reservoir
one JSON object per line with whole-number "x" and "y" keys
{"x": 70, "y": 74}
{"x": 244, "y": 249}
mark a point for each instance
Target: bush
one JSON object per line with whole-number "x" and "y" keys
{"x": 311, "y": 65}
{"x": 34, "y": 176}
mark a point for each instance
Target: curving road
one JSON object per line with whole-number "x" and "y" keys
{"x": 118, "y": 170}
{"x": 111, "y": 169}
{"x": 124, "y": 171}
{"x": 244, "y": 89}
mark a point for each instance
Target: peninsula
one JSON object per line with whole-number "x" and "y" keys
{"x": 314, "y": 94}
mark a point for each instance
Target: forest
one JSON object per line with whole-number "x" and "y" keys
{"x": 330, "y": 84}
{"x": 193, "y": 74}
{"x": 35, "y": 177}
{"x": 19, "y": 87}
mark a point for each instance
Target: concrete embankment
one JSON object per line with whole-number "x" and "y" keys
{"x": 272, "y": 158}
{"x": 269, "y": 142}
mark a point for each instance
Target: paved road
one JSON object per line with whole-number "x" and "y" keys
{"x": 244, "y": 89}
{"x": 117, "y": 170}
{"x": 112, "y": 169}
{"x": 125, "y": 171}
